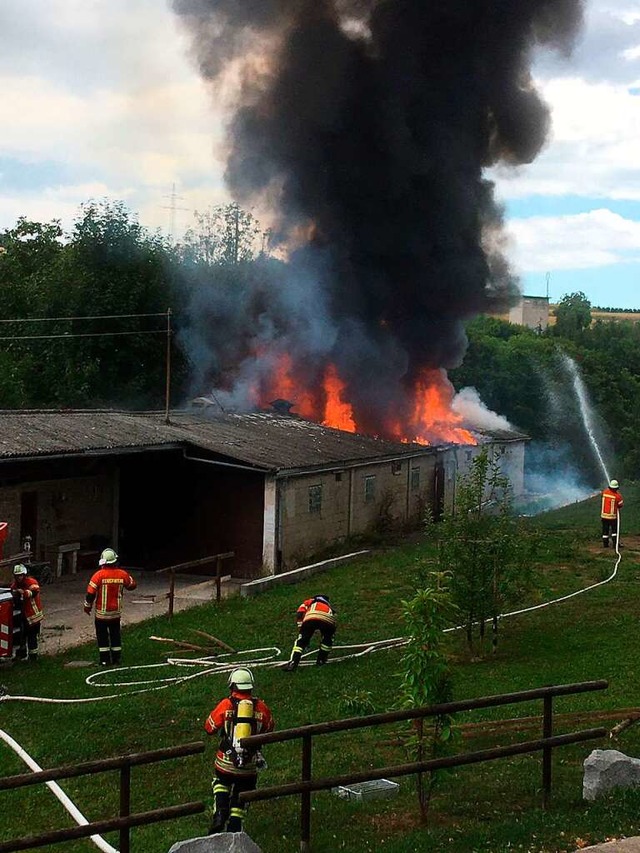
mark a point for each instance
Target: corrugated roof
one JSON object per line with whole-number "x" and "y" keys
{"x": 268, "y": 441}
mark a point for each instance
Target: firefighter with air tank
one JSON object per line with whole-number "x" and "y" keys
{"x": 236, "y": 770}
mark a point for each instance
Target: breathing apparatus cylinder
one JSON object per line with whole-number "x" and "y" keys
{"x": 243, "y": 727}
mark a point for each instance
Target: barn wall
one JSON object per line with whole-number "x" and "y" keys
{"x": 321, "y": 509}
{"x": 54, "y": 506}
{"x": 458, "y": 459}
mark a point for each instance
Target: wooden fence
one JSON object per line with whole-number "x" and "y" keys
{"x": 126, "y": 820}
{"x": 192, "y": 564}
{"x": 307, "y": 785}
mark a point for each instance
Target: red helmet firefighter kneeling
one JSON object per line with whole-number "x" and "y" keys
{"x": 239, "y": 715}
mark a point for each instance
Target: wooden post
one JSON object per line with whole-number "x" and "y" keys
{"x": 547, "y": 731}
{"x": 218, "y": 576}
{"x": 305, "y": 797}
{"x": 125, "y": 805}
{"x": 167, "y": 391}
{"x": 172, "y": 590}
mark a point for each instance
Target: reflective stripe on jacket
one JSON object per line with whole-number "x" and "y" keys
{"x": 319, "y": 610}
{"x": 611, "y": 503}
{"x": 219, "y": 722}
{"x": 31, "y": 603}
{"x": 107, "y": 586}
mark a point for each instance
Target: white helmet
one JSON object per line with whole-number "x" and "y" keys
{"x": 19, "y": 570}
{"x": 108, "y": 557}
{"x": 241, "y": 678}
{"x": 614, "y": 484}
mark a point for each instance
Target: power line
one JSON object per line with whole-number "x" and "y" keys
{"x": 96, "y": 317}
{"x": 80, "y": 335}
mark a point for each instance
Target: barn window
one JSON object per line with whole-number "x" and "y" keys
{"x": 339, "y": 477}
{"x": 396, "y": 467}
{"x": 315, "y": 498}
{"x": 369, "y": 488}
{"x": 415, "y": 479}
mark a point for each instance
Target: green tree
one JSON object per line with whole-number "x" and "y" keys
{"x": 223, "y": 234}
{"x": 482, "y": 545}
{"x": 426, "y": 676}
{"x": 573, "y": 315}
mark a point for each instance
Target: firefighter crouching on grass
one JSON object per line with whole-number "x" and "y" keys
{"x": 236, "y": 770}
{"x": 106, "y": 588}
{"x": 611, "y": 504}
{"x": 25, "y": 591}
{"x": 314, "y": 614}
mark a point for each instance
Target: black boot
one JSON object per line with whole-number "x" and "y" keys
{"x": 218, "y": 822}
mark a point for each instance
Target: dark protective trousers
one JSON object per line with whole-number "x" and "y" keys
{"x": 229, "y": 814}
{"x": 28, "y": 640}
{"x": 109, "y": 640}
{"x": 307, "y": 630}
{"x": 609, "y": 530}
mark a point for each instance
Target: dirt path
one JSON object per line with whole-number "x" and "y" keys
{"x": 66, "y": 624}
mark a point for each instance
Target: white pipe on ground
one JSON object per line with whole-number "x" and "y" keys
{"x": 75, "y": 813}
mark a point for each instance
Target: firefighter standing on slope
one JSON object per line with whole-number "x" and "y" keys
{"x": 25, "y": 591}
{"x": 314, "y": 614}
{"x": 611, "y": 504}
{"x": 106, "y": 588}
{"x": 236, "y": 770}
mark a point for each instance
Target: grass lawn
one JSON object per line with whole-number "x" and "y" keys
{"x": 494, "y": 806}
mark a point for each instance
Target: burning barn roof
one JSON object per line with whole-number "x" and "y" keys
{"x": 364, "y": 127}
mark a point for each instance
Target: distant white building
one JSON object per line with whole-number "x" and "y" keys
{"x": 531, "y": 311}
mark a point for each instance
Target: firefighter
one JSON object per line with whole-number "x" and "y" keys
{"x": 106, "y": 588}
{"x": 611, "y": 503}
{"x": 26, "y": 594}
{"x": 314, "y": 614}
{"x": 236, "y": 770}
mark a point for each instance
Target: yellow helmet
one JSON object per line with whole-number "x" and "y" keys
{"x": 108, "y": 557}
{"x": 614, "y": 484}
{"x": 241, "y": 678}
{"x": 20, "y": 569}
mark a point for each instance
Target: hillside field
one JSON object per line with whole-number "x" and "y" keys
{"x": 491, "y": 807}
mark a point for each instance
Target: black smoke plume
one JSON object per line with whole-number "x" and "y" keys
{"x": 368, "y": 124}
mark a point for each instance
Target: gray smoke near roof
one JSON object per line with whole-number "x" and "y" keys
{"x": 368, "y": 124}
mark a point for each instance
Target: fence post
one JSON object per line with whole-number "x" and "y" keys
{"x": 305, "y": 797}
{"x": 125, "y": 805}
{"x": 547, "y": 731}
{"x": 172, "y": 590}
{"x": 218, "y": 576}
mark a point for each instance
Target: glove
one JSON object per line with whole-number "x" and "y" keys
{"x": 16, "y": 594}
{"x": 87, "y": 607}
{"x": 261, "y": 761}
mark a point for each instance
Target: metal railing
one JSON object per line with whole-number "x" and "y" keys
{"x": 307, "y": 785}
{"x": 126, "y": 820}
{"x": 192, "y": 564}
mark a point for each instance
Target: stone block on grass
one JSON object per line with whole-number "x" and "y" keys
{"x": 605, "y": 769}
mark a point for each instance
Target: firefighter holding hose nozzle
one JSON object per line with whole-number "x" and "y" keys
{"x": 236, "y": 769}
{"x": 611, "y": 504}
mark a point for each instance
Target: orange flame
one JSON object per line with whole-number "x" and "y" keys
{"x": 431, "y": 421}
{"x": 337, "y": 412}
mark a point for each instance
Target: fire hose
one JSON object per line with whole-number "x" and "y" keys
{"x": 75, "y": 813}
{"x": 264, "y": 657}
{"x": 270, "y": 656}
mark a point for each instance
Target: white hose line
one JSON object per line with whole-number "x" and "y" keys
{"x": 75, "y": 813}
{"x": 216, "y": 666}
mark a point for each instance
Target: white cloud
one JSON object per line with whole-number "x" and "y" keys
{"x": 594, "y": 146}
{"x": 594, "y": 239}
{"x": 102, "y": 93}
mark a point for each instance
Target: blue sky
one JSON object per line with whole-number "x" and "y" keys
{"x": 101, "y": 99}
